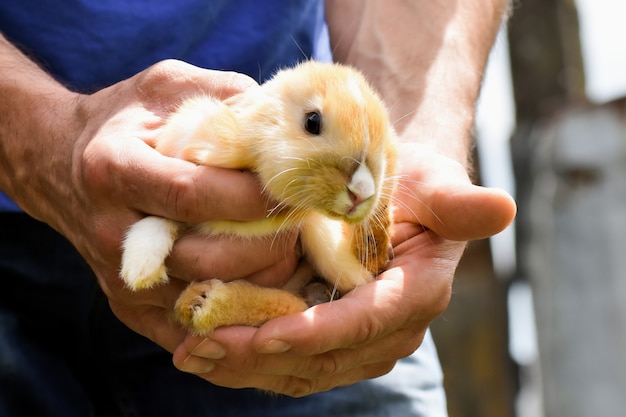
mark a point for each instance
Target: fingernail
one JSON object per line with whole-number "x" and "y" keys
{"x": 209, "y": 349}
{"x": 197, "y": 365}
{"x": 275, "y": 346}
{"x": 206, "y": 369}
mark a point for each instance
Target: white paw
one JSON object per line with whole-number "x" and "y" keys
{"x": 142, "y": 272}
{"x": 147, "y": 244}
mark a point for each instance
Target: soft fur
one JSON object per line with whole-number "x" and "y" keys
{"x": 333, "y": 184}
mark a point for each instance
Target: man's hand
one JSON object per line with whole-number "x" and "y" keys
{"x": 363, "y": 334}
{"x": 85, "y": 165}
{"x": 120, "y": 178}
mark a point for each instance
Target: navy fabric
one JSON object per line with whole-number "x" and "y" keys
{"x": 89, "y": 44}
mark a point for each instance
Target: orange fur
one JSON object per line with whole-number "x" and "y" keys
{"x": 334, "y": 184}
{"x": 210, "y": 304}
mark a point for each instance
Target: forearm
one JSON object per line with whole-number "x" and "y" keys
{"x": 37, "y": 117}
{"x": 426, "y": 58}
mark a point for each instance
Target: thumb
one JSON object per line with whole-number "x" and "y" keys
{"x": 436, "y": 193}
{"x": 467, "y": 212}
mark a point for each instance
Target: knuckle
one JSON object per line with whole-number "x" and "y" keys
{"x": 334, "y": 366}
{"x": 368, "y": 331}
{"x": 443, "y": 301}
{"x": 168, "y": 66}
{"x": 162, "y": 72}
{"x": 298, "y": 387}
{"x": 182, "y": 197}
{"x": 403, "y": 343}
{"x": 379, "y": 369}
{"x": 323, "y": 365}
{"x": 406, "y": 350}
{"x": 95, "y": 169}
{"x": 228, "y": 83}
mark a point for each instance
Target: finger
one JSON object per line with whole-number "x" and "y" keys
{"x": 267, "y": 261}
{"x": 437, "y": 193}
{"x": 172, "y": 79}
{"x": 293, "y": 386}
{"x": 460, "y": 211}
{"x": 173, "y": 188}
{"x": 471, "y": 212}
{"x": 195, "y": 193}
{"x": 412, "y": 292}
{"x": 240, "y": 357}
{"x": 219, "y": 369}
{"x": 346, "y": 323}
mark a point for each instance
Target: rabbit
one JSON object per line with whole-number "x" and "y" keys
{"x": 320, "y": 141}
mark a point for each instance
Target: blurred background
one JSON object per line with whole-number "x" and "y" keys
{"x": 537, "y": 322}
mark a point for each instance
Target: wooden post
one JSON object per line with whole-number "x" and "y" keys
{"x": 571, "y": 190}
{"x": 546, "y": 59}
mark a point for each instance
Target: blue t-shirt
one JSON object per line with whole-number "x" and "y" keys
{"x": 90, "y": 44}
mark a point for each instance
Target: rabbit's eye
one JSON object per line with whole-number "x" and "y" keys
{"x": 313, "y": 123}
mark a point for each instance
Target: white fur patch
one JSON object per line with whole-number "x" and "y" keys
{"x": 362, "y": 183}
{"x": 147, "y": 244}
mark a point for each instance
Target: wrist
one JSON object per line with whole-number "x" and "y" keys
{"x": 39, "y": 122}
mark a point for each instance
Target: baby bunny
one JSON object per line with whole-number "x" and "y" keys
{"x": 320, "y": 141}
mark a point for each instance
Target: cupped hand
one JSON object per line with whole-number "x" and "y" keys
{"x": 363, "y": 334}
{"x": 117, "y": 177}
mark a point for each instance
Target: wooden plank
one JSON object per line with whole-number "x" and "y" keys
{"x": 472, "y": 342}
